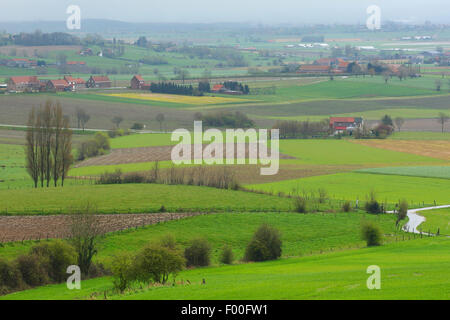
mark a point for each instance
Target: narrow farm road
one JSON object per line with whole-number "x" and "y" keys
{"x": 415, "y": 219}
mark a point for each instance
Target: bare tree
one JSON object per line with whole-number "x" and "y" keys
{"x": 442, "y": 120}
{"x": 438, "y": 84}
{"x": 84, "y": 233}
{"x": 66, "y": 150}
{"x": 57, "y": 121}
{"x": 82, "y": 118}
{"x": 32, "y": 148}
{"x": 117, "y": 120}
{"x": 48, "y": 144}
{"x": 399, "y": 122}
{"x": 386, "y": 77}
{"x": 160, "y": 118}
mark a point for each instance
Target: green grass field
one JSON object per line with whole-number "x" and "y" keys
{"x": 344, "y": 152}
{"x": 353, "y": 186}
{"x": 137, "y": 198}
{"x": 302, "y": 234}
{"x": 425, "y": 171}
{"x": 436, "y": 219}
{"x": 413, "y": 269}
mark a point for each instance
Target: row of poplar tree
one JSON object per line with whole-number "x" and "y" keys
{"x": 48, "y": 145}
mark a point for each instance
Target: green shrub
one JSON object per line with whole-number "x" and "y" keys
{"x": 372, "y": 205}
{"x": 156, "y": 263}
{"x": 300, "y": 204}
{"x": 137, "y": 126}
{"x": 402, "y": 210}
{"x": 57, "y": 256}
{"x": 98, "y": 145}
{"x": 371, "y": 233}
{"x": 346, "y": 207}
{"x": 123, "y": 271}
{"x": 322, "y": 195}
{"x": 133, "y": 177}
{"x": 169, "y": 241}
{"x": 10, "y": 277}
{"x": 265, "y": 245}
{"x": 227, "y": 256}
{"x": 110, "y": 177}
{"x": 198, "y": 253}
{"x": 33, "y": 269}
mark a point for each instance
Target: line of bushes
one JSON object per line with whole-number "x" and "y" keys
{"x": 209, "y": 176}
{"x": 45, "y": 263}
{"x": 157, "y": 262}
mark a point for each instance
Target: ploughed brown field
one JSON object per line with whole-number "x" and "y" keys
{"x": 18, "y": 228}
{"x": 434, "y": 149}
{"x": 158, "y": 153}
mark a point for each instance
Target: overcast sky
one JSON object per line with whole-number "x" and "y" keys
{"x": 258, "y": 11}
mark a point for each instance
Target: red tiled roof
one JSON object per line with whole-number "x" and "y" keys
{"x": 59, "y": 83}
{"x": 76, "y": 80}
{"x": 342, "y": 119}
{"x": 139, "y": 78}
{"x": 217, "y": 87}
{"x": 24, "y": 79}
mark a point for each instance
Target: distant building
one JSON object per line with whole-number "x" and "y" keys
{"x": 60, "y": 85}
{"x": 23, "y": 84}
{"x": 98, "y": 82}
{"x": 138, "y": 83}
{"x": 75, "y": 83}
{"x": 220, "y": 88}
{"x": 341, "y": 124}
{"x": 19, "y": 63}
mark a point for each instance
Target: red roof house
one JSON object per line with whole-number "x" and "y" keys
{"x": 23, "y": 83}
{"x": 98, "y": 82}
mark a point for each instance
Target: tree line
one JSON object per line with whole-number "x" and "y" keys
{"x": 302, "y": 129}
{"x": 172, "y": 88}
{"x": 48, "y": 145}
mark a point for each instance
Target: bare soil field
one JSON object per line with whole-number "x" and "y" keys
{"x": 422, "y": 125}
{"x": 15, "y": 109}
{"x": 148, "y": 154}
{"x": 20, "y": 228}
{"x": 434, "y": 149}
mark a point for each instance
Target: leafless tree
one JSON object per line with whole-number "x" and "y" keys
{"x": 438, "y": 84}
{"x": 48, "y": 144}
{"x": 82, "y": 118}
{"x": 117, "y": 120}
{"x": 442, "y": 120}
{"x": 160, "y": 118}
{"x": 66, "y": 150}
{"x": 85, "y": 230}
{"x": 32, "y": 148}
{"x": 399, "y": 122}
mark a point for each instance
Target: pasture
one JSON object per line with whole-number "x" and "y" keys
{"x": 136, "y": 198}
{"x": 424, "y": 171}
{"x": 436, "y": 219}
{"x": 352, "y": 186}
{"x": 409, "y": 270}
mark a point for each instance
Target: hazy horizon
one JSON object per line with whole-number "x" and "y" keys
{"x": 249, "y": 11}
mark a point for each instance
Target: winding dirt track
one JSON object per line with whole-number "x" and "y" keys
{"x": 18, "y": 228}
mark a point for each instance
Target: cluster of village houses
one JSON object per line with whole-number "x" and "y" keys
{"x": 68, "y": 83}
